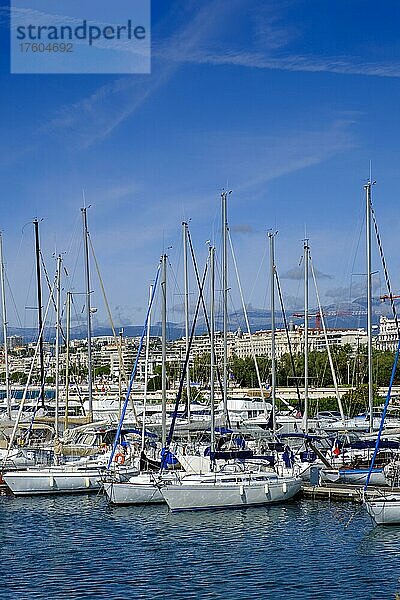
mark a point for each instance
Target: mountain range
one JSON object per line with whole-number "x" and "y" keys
{"x": 347, "y": 315}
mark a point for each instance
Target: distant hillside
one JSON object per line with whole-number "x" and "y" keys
{"x": 348, "y": 315}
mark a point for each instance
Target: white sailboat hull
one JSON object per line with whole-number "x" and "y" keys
{"x": 354, "y": 476}
{"x": 143, "y": 488}
{"x": 53, "y": 481}
{"x": 359, "y": 476}
{"x": 130, "y": 493}
{"x": 222, "y": 494}
{"x": 385, "y": 510}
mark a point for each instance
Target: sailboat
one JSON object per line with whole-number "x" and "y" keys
{"x": 84, "y": 475}
{"x": 384, "y": 508}
{"x": 240, "y": 483}
{"x": 71, "y": 476}
{"x": 356, "y": 471}
{"x": 143, "y": 488}
{"x": 233, "y": 486}
{"x": 82, "y": 457}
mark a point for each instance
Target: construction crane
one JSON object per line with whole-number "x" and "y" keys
{"x": 317, "y": 316}
{"x": 388, "y": 297}
{"x": 331, "y": 313}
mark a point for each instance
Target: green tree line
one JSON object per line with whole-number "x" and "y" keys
{"x": 350, "y": 368}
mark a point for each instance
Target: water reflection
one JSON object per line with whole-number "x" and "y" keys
{"x": 79, "y": 547}
{"x": 381, "y": 539}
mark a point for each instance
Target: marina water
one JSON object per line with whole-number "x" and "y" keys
{"x": 78, "y": 547}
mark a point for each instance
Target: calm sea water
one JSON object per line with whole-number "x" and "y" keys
{"x": 78, "y": 547}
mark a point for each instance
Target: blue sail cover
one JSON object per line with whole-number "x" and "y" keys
{"x": 384, "y": 444}
{"x": 167, "y": 458}
{"x": 222, "y": 430}
{"x": 288, "y": 457}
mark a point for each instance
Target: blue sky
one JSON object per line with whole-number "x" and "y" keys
{"x": 286, "y": 103}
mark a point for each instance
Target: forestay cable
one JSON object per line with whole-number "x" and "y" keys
{"x": 253, "y": 353}
{"x": 278, "y": 285}
{"x": 23, "y": 399}
{"x": 133, "y": 374}
{"x": 387, "y": 280}
{"x": 328, "y": 349}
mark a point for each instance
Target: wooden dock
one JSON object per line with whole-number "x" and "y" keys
{"x": 342, "y": 492}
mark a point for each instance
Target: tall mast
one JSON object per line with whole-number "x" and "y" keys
{"x": 271, "y": 236}
{"x": 40, "y": 316}
{"x": 224, "y": 196}
{"x": 58, "y": 311}
{"x": 186, "y": 295}
{"x": 3, "y": 304}
{"x": 146, "y": 372}
{"x": 164, "y": 350}
{"x": 88, "y": 311}
{"x": 212, "y": 353}
{"x": 367, "y": 188}
{"x": 67, "y": 343}
{"x": 306, "y": 251}
{"x": 120, "y": 399}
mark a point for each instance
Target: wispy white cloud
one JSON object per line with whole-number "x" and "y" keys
{"x": 297, "y": 274}
{"x": 270, "y": 30}
{"x": 271, "y": 35}
{"x": 305, "y": 63}
{"x": 110, "y": 196}
{"x": 263, "y": 158}
{"x": 95, "y": 117}
{"x": 202, "y": 36}
{"x": 352, "y": 291}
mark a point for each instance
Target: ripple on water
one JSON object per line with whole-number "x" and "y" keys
{"x": 78, "y": 547}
